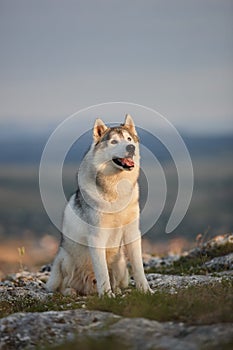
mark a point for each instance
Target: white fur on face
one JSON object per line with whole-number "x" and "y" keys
{"x": 115, "y": 147}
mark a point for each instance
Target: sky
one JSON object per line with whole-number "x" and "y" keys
{"x": 175, "y": 56}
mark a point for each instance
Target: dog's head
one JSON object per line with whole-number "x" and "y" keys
{"x": 117, "y": 146}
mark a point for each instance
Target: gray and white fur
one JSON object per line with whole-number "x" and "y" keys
{"x": 101, "y": 220}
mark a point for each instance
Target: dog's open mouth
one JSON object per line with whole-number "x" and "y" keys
{"x": 125, "y": 163}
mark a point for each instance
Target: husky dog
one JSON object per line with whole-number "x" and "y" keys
{"x": 101, "y": 220}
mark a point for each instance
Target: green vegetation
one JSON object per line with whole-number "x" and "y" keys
{"x": 88, "y": 343}
{"x": 194, "y": 305}
{"x": 114, "y": 343}
{"x": 225, "y": 346}
{"x": 187, "y": 265}
{"x": 28, "y": 304}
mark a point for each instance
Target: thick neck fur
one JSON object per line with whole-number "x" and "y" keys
{"x": 120, "y": 182}
{"x": 109, "y": 186}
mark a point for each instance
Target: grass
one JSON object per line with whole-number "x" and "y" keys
{"x": 194, "y": 265}
{"x": 224, "y": 346}
{"x": 115, "y": 344}
{"x": 56, "y": 302}
{"x": 194, "y": 305}
{"x": 87, "y": 343}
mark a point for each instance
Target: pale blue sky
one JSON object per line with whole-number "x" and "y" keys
{"x": 176, "y": 56}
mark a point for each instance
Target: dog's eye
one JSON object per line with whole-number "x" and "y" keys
{"x": 129, "y": 139}
{"x": 114, "y": 142}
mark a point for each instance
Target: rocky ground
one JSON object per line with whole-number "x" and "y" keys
{"x": 27, "y": 330}
{"x": 43, "y": 327}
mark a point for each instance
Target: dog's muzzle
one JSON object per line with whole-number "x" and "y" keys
{"x": 126, "y": 163}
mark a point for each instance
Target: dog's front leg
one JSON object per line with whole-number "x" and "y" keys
{"x": 135, "y": 257}
{"x": 98, "y": 257}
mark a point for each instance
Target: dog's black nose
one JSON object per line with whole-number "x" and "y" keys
{"x": 130, "y": 148}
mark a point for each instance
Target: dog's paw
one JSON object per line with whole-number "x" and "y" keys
{"x": 117, "y": 291}
{"x": 107, "y": 293}
{"x": 150, "y": 291}
{"x": 147, "y": 291}
{"x": 111, "y": 295}
{"x": 145, "y": 288}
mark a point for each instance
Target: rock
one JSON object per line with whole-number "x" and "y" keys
{"x": 141, "y": 333}
{"x": 36, "y": 330}
{"x": 171, "y": 283}
{"x": 28, "y": 330}
{"x": 220, "y": 240}
{"x": 151, "y": 262}
{"x": 39, "y": 329}
{"x": 24, "y": 285}
{"x": 14, "y": 294}
{"x": 220, "y": 263}
{"x": 210, "y": 246}
{"x": 207, "y": 249}
{"x": 26, "y": 279}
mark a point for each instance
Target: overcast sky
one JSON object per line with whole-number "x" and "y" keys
{"x": 176, "y": 56}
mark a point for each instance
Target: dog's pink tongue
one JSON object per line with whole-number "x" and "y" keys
{"x": 127, "y": 161}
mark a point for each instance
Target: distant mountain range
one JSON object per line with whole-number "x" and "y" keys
{"x": 27, "y": 149}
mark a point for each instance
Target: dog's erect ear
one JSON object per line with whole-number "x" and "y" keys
{"x": 99, "y": 129}
{"x": 129, "y": 123}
